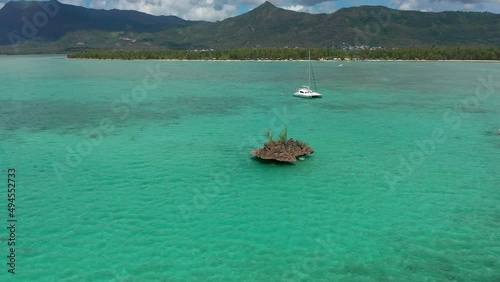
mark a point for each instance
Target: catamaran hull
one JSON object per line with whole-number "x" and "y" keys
{"x": 308, "y": 95}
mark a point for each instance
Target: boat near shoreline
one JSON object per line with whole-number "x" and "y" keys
{"x": 306, "y": 91}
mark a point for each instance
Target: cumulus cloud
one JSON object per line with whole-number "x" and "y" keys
{"x": 209, "y": 10}
{"x": 324, "y": 7}
{"x": 448, "y": 5}
{"x": 295, "y": 8}
{"x": 213, "y": 10}
{"x": 192, "y": 10}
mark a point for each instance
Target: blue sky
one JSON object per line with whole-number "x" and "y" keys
{"x": 213, "y": 10}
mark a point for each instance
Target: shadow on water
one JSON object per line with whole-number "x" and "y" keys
{"x": 491, "y": 133}
{"x": 71, "y": 117}
{"x": 271, "y": 162}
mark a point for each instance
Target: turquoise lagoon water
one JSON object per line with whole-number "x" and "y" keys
{"x": 160, "y": 186}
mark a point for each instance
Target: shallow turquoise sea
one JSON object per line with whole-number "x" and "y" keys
{"x": 140, "y": 171}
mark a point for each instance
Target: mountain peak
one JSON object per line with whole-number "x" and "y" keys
{"x": 263, "y": 10}
{"x": 266, "y": 5}
{"x": 25, "y": 4}
{"x": 77, "y": 27}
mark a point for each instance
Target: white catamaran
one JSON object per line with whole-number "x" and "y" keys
{"x": 306, "y": 91}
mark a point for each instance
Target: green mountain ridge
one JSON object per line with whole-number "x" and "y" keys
{"x": 78, "y": 28}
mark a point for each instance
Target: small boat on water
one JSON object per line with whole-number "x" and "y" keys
{"x": 306, "y": 91}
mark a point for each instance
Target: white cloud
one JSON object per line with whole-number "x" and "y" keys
{"x": 408, "y": 5}
{"x": 209, "y": 14}
{"x": 448, "y": 5}
{"x": 325, "y": 7}
{"x": 212, "y": 10}
{"x": 209, "y": 10}
{"x": 412, "y": 5}
{"x": 73, "y": 2}
{"x": 295, "y": 8}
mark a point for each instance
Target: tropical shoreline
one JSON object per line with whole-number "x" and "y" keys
{"x": 299, "y": 54}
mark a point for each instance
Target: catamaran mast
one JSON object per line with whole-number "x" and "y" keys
{"x": 309, "y": 69}
{"x": 311, "y": 72}
{"x": 314, "y": 78}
